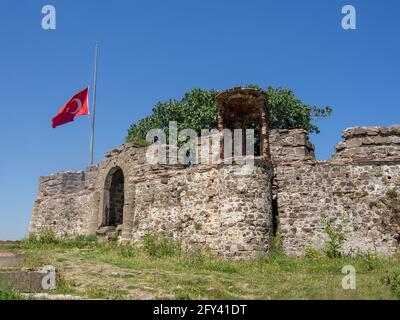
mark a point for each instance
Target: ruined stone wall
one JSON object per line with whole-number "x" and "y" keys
{"x": 290, "y": 145}
{"x": 357, "y": 190}
{"x": 65, "y": 203}
{"x": 215, "y": 206}
{"x": 74, "y": 203}
{"x": 357, "y": 197}
{"x": 225, "y": 208}
{"x": 221, "y": 208}
{"x": 369, "y": 143}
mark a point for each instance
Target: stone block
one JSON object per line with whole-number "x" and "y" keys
{"x": 26, "y": 281}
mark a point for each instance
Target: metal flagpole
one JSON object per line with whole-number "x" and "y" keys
{"x": 93, "y": 103}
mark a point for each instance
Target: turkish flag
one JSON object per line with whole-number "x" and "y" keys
{"x": 75, "y": 107}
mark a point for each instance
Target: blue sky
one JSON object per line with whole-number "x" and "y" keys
{"x": 156, "y": 50}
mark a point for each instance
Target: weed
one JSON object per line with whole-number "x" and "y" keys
{"x": 197, "y": 226}
{"x": 394, "y": 282}
{"x": 337, "y": 236}
{"x": 392, "y": 194}
{"x": 165, "y": 270}
{"x": 161, "y": 246}
{"x": 9, "y": 294}
{"x": 313, "y": 254}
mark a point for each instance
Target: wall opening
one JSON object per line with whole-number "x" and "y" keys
{"x": 244, "y": 108}
{"x": 114, "y": 198}
{"x": 275, "y": 216}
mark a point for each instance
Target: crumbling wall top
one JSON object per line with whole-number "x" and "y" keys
{"x": 369, "y": 143}
{"x": 291, "y": 145}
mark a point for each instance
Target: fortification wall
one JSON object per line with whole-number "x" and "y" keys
{"x": 215, "y": 206}
{"x": 220, "y": 208}
{"x": 66, "y": 203}
{"x": 358, "y": 190}
{"x": 356, "y": 197}
{"x": 290, "y": 145}
{"x": 369, "y": 143}
{"x": 226, "y": 208}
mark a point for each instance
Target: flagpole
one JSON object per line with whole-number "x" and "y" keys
{"x": 93, "y": 104}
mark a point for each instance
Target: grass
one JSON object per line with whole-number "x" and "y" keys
{"x": 8, "y": 294}
{"x": 160, "y": 268}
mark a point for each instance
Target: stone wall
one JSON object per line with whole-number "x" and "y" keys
{"x": 369, "y": 143}
{"x": 65, "y": 203}
{"x": 225, "y": 208}
{"x": 217, "y": 207}
{"x": 290, "y": 145}
{"x": 359, "y": 198}
{"x": 220, "y": 208}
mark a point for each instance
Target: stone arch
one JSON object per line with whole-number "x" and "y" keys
{"x": 129, "y": 195}
{"x": 113, "y": 198}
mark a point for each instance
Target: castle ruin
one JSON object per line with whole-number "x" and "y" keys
{"x": 286, "y": 192}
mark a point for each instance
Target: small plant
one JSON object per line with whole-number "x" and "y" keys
{"x": 392, "y": 194}
{"x": 276, "y": 249}
{"x": 45, "y": 236}
{"x": 394, "y": 283}
{"x": 64, "y": 286}
{"x": 313, "y": 254}
{"x": 337, "y": 236}
{"x": 161, "y": 246}
{"x": 394, "y": 207}
{"x": 139, "y": 142}
{"x": 9, "y": 294}
{"x": 391, "y": 222}
{"x": 370, "y": 261}
{"x": 80, "y": 242}
{"x": 126, "y": 251}
{"x": 197, "y": 226}
{"x": 195, "y": 257}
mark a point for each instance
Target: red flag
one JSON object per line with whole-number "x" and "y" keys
{"x": 75, "y": 107}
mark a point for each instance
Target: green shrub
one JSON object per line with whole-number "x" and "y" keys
{"x": 369, "y": 261}
{"x": 394, "y": 282}
{"x": 197, "y": 110}
{"x": 337, "y": 236}
{"x": 80, "y": 241}
{"x": 47, "y": 237}
{"x": 126, "y": 251}
{"x": 161, "y": 246}
{"x": 139, "y": 142}
{"x": 313, "y": 254}
{"x": 392, "y": 194}
{"x": 195, "y": 258}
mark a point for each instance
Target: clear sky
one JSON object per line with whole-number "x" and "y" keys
{"x": 156, "y": 50}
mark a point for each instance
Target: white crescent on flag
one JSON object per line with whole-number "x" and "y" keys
{"x": 79, "y": 106}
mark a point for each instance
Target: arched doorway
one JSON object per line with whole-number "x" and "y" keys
{"x": 114, "y": 198}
